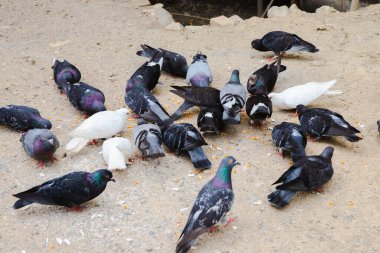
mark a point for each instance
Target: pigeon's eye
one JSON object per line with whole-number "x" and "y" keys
{"x": 230, "y": 161}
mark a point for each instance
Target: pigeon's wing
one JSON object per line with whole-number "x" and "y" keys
{"x": 205, "y": 97}
{"x": 316, "y": 124}
{"x": 278, "y": 41}
{"x": 192, "y": 138}
{"x": 292, "y": 173}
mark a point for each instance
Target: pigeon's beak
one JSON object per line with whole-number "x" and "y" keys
{"x": 237, "y": 163}
{"x": 113, "y": 180}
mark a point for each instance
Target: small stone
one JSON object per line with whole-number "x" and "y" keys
{"x": 325, "y": 10}
{"x": 163, "y": 17}
{"x": 67, "y": 241}
{"x": 175, "y": 26}
{"x": 276, "y": 11}
{"x": 236, "y": 19}
{"x": 221, "y": 21}
{"x": 294, "y": 10}
{"x": 59, "y": 240}
{"x": 129, "y": 239}
{"x": 193, "y": 28}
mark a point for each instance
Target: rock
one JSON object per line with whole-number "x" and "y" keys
{"x": 294, "y": 10}
{"x": 193, "y": 28}
{"x": 325, "y": 10}
{"x": 163, "y": 17}
{"x": 236, "y": 19}
{"x": 221, "y": 21}
{"x": 276, "y": 11}
{"x": 175, "y": 26}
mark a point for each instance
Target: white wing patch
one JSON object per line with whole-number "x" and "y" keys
{"x": 256, "y": 107}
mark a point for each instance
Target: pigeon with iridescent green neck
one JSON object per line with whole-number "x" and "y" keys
{"x": 213, "y": 202}
{"x": 70, "y": 190}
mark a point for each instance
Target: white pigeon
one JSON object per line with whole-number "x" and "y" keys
{"x": 100, "y": 125}
{"x": 302, "y": 94}
{"x": 117, "y": 151}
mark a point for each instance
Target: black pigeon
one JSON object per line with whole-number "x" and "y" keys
{"x": 289, "y": 137}
{"x": 196, "y": 96}
{"x": 212, "y": 204}
{"x": 144, "y": 104}
{"x": 265, "y": 76}
{"x": 308, "y": 173}
{"x": 318, "y": 122}
{"x": 185, "y": 137}
{"x": 173, "y": 63}
{"x": 259, "y": 107}
{"x": 22, "y": 118}
{"x": 210, "y": 120}
{"x": 378, "y": 126}
{"x": 148, "y": 74}
{"x": 199, "y": 73}
{"x": 148, "y": 139}
{"x": 70, "y": 190}
{"x": 65, "y": 72}
{"x": 40, "y": 144}
{"x": 85, "y": 97}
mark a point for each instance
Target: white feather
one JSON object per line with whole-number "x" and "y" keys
{"x": 100, "y": 125}
{"x": 301, "y": 94}
{"x": 116, "y": 152}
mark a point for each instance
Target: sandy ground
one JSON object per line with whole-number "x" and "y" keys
{"x": 144, "y": 210}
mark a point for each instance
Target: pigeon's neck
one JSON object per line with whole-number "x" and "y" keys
{"x": 222, "y": 178}
{"x": 260, "y": 47}
{"x": 96, "y": 180}
{"x": 235, "y": 77}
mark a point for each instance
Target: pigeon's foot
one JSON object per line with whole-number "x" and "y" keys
{"x": 86, "y": 115}
{"x": 62, "y": 93}
{"x": 279, "y": 153}
{"x": 230, "y": 221}
{"x": 93, "y": 142}
{"x": 134, "y": 115}
{"x": 313, "y": 139}
{"x": 294, "y": 115}
{"x": 53, "y": 159}
{"x": 320, "y": 190}
{"x": 41, "y": 165}
{"x": 76, "y": 209}
{"x": 213, "y": 229}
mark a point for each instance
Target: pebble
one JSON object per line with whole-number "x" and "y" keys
{"x": 59, "y": 240}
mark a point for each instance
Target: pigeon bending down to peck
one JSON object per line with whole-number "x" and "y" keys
{"x": 173, "y": 63}
{"x": 259, "y": 108}
{"x": 210, "y": 120}
{"x": 70, "y": 190}
{"x": 199, "y": 73}
{"x": 148, "y": 139}
{"x": 319, "y": 122}
{"x": 308, "y": 173}
{"x": 185, "y": 137}
{"x": 100, "y": 125}
{"x": 22, "y": 118}
{"x": 64, "y": 72}
{"x": 116, "y": 152}
{"x": 212, "y": 204}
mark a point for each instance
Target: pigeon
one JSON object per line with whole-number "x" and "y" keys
{"x": 148, "y": 139}
{"x": 281, "y": 42}
{"x": 318, "y": 122}
{"x": 65, "y": 72}
{"x": 308, "y": 173}
{"x": 199, "y": 73}
{"x": 258, "y": 108}
{"x": 40, "y": 144}
{"x": 85, "y": 97}
{"x": 99, "y": 125}
{"x": 289, "y": 137}
{"x": 144, "y": 104}
{"x": 116, "y": 152}
{"x": 232, "y": 98}
{"x": 173, "y": 63}
{"x": 22, "y": 118}
{"x": 185, "y": 137}
{"x": 265, "y": 76}
{"x": 378, "y": 126}
{"x": 212, "y": 204}
{"x": 196, "y": 96}
{"x": 70, "y": 190}
{"x": 148, "y": 74}
{"x": 210, "y": 120}
{"x": 302, "y": 94}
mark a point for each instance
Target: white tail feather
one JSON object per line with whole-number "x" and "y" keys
{"x": 334, "y": 92}
{"x": 116, "y": 160}
{"x": 76, "y": 144}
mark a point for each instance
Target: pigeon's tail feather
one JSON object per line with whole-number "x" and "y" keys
{"x": 184, "y": 245}
{"x": 353, "y": 138}
{"x": 21, "y": 203}
{"x": 334, "y": 92}
{"x": 199, "y": 158}
{"x": 312, "y": 49}
{"x": 76, "y": 144}
{"x": 280, "y": 198}
{"x": 116, "y": 160}
{"x": 186, "y": 105}
{"x": 146, "y": 51}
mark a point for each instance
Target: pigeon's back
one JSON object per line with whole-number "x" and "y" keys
{"x": 199, "y": 74}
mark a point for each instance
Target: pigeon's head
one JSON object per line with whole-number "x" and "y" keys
{"x": 123, "y": 112}
{"x": 44, "y": 146}
{"x": 235, "y": 77}
{"x": 229, "y": 162}
{"x": 255, "y": 85}
{"x": 300, "y": 109}
{"x": 256, "y": 43}
{"x": 102, "y": 176}
{"x": 328, "y": 153}
{"x": 40, "y": 123}
{"x": 57, "y": 63}
{"x": 199, "y": 57}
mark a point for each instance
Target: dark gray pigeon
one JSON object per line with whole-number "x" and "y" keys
{"x": 144, "y": 104}
{"x": 204, "y": 97}
{"x": 232, "y": 97}
{"x": 199, "y": 73}
{"x": 212, "y": 204}
{"x": 185, "y": 137}
{"x": 378, "y": 126}
{"x": 210, "y": 120}
{"x": 319, "y": 122}
{"x": 308, "y": 173}
{"x": 22, "y": 118}
{"x": 148, "y": 74}
{"x": 40, "y": 144}
{"x": 173, "y": 63}
{"x": 289, "y": 137}
{"x": 64, "y": 72}
{"x": 259, "y": 108}
{"x": 148, "y": 139}
{"x": 70, "y": 190}
{"x": 265, "y": 76}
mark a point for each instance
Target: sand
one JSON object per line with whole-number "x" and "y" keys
{"x": 146, "y": 209}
